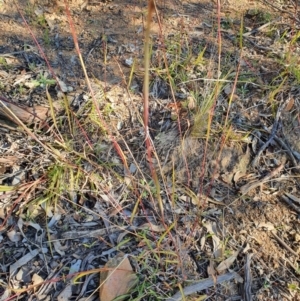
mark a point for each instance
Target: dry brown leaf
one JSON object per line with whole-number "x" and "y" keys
{"x": 225, "y": 264}
{"x": 27, "y": 115}
{"x": 8, "y": 160}
{"x": 36, "y": 279}
{"x": 118, "y": 279}
{"x": 289, "y": 105}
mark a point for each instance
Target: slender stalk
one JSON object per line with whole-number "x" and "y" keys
{"x": 148, "y": 141}
{"x": 212, "y": 110}
{"x": 103, "y": 123}
{"x": 174, "y": 101}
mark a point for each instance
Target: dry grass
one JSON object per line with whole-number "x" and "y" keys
{"x": 168, "y": 180}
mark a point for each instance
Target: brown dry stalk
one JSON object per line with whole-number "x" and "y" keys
{"x": 96, "y": 103}
{"x": 148, "y": 141}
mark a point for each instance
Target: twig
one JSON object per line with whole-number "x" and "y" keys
{"x": 273, "y": 133}
{"x": 293, "y": 198}
{"x": 264, "y": 48}
{"x": 289, "y": 151}
{"x": 246, "y": 188}
{"x": 282, "y": 11}
{"x": 290, "y": 203}
{"x": 292, "y": 155}
{"x": 12, "y": 54}
{"x": 90, "y": 233}
{"x": 284, "y": 244}
{"x": 255, "y": 30}
{"x": 248, "y": 279}
{"x": 204, "y": 284}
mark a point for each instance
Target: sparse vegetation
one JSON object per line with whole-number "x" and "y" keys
{"x": 167, "y": 159}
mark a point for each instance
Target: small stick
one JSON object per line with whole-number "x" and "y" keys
{"x": 248, "y": 279}
{"x": 290, "y": 203}
{"x": 288, "y": 150}
{"x": 246, "y": 188}
{"x": 11, "y": 54}
{"x": 284, "y": 244}
{"x": 255, "y": 30}
{"x": 273, "y": 133}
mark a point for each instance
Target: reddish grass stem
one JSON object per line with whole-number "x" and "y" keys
{"x": 148, "y": 141}
{"x": 103, "y": 123}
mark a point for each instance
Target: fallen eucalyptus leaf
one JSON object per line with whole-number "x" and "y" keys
{"x": 118, "y": 278}
{"x": 26, "y": 258}
{"x": 225, "y": 264}
{"x": 217, "y": 243}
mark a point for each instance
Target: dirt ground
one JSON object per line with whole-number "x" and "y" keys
{"x": 250, "y": 200}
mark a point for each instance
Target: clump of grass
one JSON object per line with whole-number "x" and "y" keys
{"x": 76, "y": 167}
